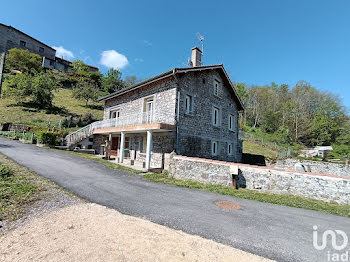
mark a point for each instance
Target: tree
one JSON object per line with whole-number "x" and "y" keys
{"x": 131, "y": 80}
{"x": 79, "y": 66}
{"x": 112, "y": 81}
{"x": 23, "y": 61}
{"x": 86, "y": 91}
{"x": 37, "y": 89}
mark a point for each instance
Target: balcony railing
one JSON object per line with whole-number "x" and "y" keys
{"x": 126, "y": 120}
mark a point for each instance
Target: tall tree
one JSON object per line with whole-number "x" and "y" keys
{"x": 23, "y": 61}
{"x": 112, "y": 81}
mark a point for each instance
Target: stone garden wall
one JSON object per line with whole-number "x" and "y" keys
{"x": 315, "y": 166}
{"x": 329, "y": 188}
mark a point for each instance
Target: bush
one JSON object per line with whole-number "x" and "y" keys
{"x": 47, "y": 138}
{"x": 5, "y": 171}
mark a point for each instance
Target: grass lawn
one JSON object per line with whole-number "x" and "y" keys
{"x": 285, "y": 200}
{"x": 17, "y": 190}
{"x": 256, "y": 149}
{"x": 64, "y": 104}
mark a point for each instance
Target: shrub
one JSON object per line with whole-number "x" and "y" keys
{"x": 47, "y": 138}
{"x": 5, "y": 171}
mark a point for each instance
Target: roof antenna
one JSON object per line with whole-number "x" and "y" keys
{"x": 201, "y": 39}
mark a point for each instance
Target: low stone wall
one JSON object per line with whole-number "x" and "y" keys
{"x": 315, "y": 166}
{"x": 266, "y": 179}
{"x": 14, "y": 127}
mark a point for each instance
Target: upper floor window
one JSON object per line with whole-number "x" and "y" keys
{"x": 188, "y": 104}
{"x": 231, "y": 122}
{"x": 229, "y": 149}
{"x": 22, "y": 43}
{"x": 41, "y": 49}
{"x": 214, "y": 148}
{"x": 217, "y": 88}
{"x": 216, "y": 116}
{"x": 115, "y": 113}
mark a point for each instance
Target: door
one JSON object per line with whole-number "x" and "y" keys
{"x": 115, "y": 146}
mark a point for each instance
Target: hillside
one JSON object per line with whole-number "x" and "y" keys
{"x": 64, "y": 106}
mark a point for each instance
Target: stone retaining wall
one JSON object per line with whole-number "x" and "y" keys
{"x": 266, "y": 179}
{"x": 316, "y": 166}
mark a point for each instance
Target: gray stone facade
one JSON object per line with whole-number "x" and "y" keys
{"x": 133, "y": 102}
{"x": 310, "y": 185}
{"x": 194, "y": 132}
{"x": 11, "y": 38}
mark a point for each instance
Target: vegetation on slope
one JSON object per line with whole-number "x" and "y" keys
{"x": 63, "y": 106}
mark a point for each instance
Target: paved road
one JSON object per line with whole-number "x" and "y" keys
{"x": 272, "y": 231}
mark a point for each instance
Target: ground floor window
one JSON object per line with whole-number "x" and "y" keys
{"x": 214, "y": 148}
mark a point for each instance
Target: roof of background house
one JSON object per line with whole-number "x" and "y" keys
{"x": 173, "y": 72}
{"x": 8, "y": 26}
{"x": 324, "y": 148}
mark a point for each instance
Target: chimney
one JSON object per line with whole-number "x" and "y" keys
{"x": 196, "y": 57}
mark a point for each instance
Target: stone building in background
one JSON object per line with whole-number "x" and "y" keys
{"x": 192, "y": 111}
{"x": 11, "y": 37}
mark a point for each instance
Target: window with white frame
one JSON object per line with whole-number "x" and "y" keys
{"x": 217, "y": 88}
{"x": 188, "y": 104}
{"x": 114, "y": 113}
{"x": 231, "y": 122}
{"x": 216, "y": 116}
{"x": 229, "y": 149}
{"x": 214, "y": 148}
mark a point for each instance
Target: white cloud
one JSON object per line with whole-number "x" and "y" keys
{"x": 62, "y": 52}
{"x": 113, "y": 59}
{"x": 147, "y": 43}
{"x": 139, "y": 60}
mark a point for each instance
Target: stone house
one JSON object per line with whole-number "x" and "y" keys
{"x": 11, "y": 37}
{"x": 192, "y": 111}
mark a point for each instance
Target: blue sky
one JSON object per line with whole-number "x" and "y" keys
{"x": 258, "y": 41}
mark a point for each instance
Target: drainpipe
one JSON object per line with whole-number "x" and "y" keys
{"x": 177, "y": 113}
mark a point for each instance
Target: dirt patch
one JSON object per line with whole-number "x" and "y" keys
{"x": 90, "y": 232}
{"x": 228, "y": 205}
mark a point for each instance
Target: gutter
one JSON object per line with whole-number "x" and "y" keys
{"x": 177, "y": 112}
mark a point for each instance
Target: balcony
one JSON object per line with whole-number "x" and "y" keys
{"x": 137, "y": 122}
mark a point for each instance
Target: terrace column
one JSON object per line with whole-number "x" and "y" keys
{"x": 121, "y": 148}
{"x": 148, "y": 150}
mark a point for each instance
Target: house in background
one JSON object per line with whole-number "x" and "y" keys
{"x": 11, "y": 37}
{"x": 192, "y": 111}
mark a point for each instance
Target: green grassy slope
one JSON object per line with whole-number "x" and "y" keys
{"x": 256, "y": 149}
{"x": 64, "y": 104}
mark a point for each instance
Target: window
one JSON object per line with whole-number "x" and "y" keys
{"x": 22, "y": 43}
{"x": 148, "y": 110}
{"x": 214, "y": 148}
{"x": 216, "y": 116}
{"x": 41, "y": 49}
{"x": 229, "y": 149}
{"x": 115, "y": 113}
{"x": 217, "y": 88}
{"x": 231, "y": 122}
{"x": 52, "y": 63}
{"x": 188, "y": 104}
